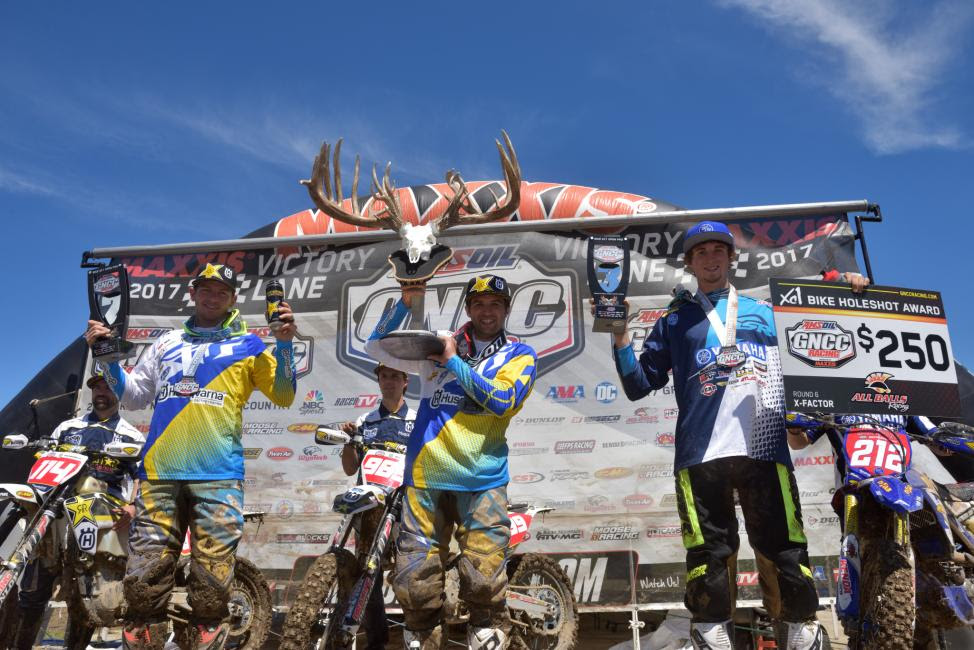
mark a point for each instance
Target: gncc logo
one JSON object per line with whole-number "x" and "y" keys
{"x": 545, "y": 306}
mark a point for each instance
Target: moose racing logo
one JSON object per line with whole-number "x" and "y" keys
{"x": 545, "y": 309}
{"x": 821, "y": 343}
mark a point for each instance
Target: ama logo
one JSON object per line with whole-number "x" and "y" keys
{"x": 314, "y": 403}
{"x": 566, "y": 394}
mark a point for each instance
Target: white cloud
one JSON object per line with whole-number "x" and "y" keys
{"x": 886, "y": 74}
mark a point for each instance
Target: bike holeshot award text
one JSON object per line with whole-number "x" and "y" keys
{"x": 883, "y": 351}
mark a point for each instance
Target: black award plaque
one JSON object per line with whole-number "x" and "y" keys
{"x": 108, "y": 299}
{"x": 608, "y": 280}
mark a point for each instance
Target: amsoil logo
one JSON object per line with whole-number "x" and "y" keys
{"x": 314, "y": 403}
{"x": 566, "y": 394}
{"x": 614, "y": 533}
{"x": 574, "y": 446}
{"x": 545, "y": 311}
{"x": 365, "y": 401}
{"x": 821, "y": 343}
{"x": 280, "y": 453}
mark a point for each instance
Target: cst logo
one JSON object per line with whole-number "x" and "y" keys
{"x": 606, "y": 392}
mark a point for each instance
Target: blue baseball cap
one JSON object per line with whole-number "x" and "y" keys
{"x": 707, "y": 231}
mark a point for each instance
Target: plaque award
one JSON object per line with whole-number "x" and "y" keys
{"x": 420, "y": 256}
{"x": 608, "y": 281}
{"x": 108, "y": 300}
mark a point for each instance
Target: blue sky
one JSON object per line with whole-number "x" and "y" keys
{"x": 136, "y": 123}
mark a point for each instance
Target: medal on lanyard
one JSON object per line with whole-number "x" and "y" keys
{"x": 187, "y": 386}
{"x": 729, "y": 356}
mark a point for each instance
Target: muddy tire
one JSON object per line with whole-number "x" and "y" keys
{"x": 306, "y": 626}
{"x": 250, "y": 607}
{"x": 886, "y": 606}
{"x": 8, "y": 616}
{"x": 542, "y": 577}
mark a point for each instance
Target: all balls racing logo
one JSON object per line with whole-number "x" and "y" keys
{"x": 882, "y": 393}
{"x": 545, "y": 306}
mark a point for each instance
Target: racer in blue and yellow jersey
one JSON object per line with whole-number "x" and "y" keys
{"x": 456, "y": 465}
{"x": 198, "y": 381}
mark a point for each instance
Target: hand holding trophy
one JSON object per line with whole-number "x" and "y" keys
{"x": 108, "y": 301}
{"x": 421, "y": 256}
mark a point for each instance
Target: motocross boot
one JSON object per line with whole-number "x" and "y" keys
{"x": 209, "y": 636}
{"x": 145, "y": 636}
{"x": 712, "y": 636}
{"x": 807, "y": 635}
{"x": 26, "y": 629}
{"x": 486, "y": 638}
{"x": 424, "y": 639}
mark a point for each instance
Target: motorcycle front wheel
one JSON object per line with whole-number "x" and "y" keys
{"x": 886, "y": 598}
{"x": 311, "y": 622}
{"x": 542, "y": 577}
{"x": 250, "y": 607}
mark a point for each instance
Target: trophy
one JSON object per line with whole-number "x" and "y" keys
{"x": 108, "y": 300}
{"x": 608, "y": 280}
{"x": 421, "y": 256}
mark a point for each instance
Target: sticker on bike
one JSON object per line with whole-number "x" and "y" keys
{"x": 877, "y": 451}
{"x": 54, "y": 468}
{"x": 383, "y": 468}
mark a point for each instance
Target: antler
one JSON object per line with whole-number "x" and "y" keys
{"x": 320, "y": 189}
{"x": 461, "y": 195}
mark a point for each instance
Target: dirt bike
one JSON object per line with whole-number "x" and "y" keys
{"x": 326, "y": 614}
{"x": 59, "y": 477}
{"x": 906, "y": 562}
{"x": 94, "y": 557}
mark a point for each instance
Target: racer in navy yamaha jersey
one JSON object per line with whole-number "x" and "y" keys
{"x": 722, "y": 349}
{"x": 197, "y": 381}
{"x": 456, "y": 465}
{"x": 392, "y": 422}
{"x": 94, "y": 430}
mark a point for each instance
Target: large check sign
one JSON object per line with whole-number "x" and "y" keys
{"x": 883, "y": 351}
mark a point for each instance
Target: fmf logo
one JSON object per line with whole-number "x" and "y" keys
{"x": 545, "y": 310}
{"x": 566, "y": 394}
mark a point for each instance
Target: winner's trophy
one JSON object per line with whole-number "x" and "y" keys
{"x": 108, "y": 299}
{"x": 608, "y": 280}
{"x": 421, "y": 256}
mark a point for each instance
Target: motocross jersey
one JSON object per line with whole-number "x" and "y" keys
{"x": 382, "y": 425}
{"x": 737, "y": 411}
{"x": 88, "y": 431}
{"x": 198, "y": 382}
{"x": 459, "y": 439}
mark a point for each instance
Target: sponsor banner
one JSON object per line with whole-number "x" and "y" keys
{"x": 578, "y": 445}
{"x": 885, "y": 350}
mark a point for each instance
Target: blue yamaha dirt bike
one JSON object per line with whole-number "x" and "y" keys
{"x": 906, "y": 562}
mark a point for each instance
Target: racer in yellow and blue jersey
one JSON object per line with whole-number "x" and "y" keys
{"x": 198, "y": 381}
{"x": 456, "y": 465}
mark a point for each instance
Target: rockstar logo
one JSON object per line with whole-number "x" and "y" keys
{"x": 211, "y": 271}
{"x": 481, "y": 284}
{"x": 81, "y": 509}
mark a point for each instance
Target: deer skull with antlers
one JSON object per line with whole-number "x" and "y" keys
{"x": 418, "y": 240}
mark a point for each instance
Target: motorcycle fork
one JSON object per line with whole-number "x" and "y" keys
{"x": 351, "y": 617}
{"x": 847, "y": 587}
{"x": 14, "y": 568}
